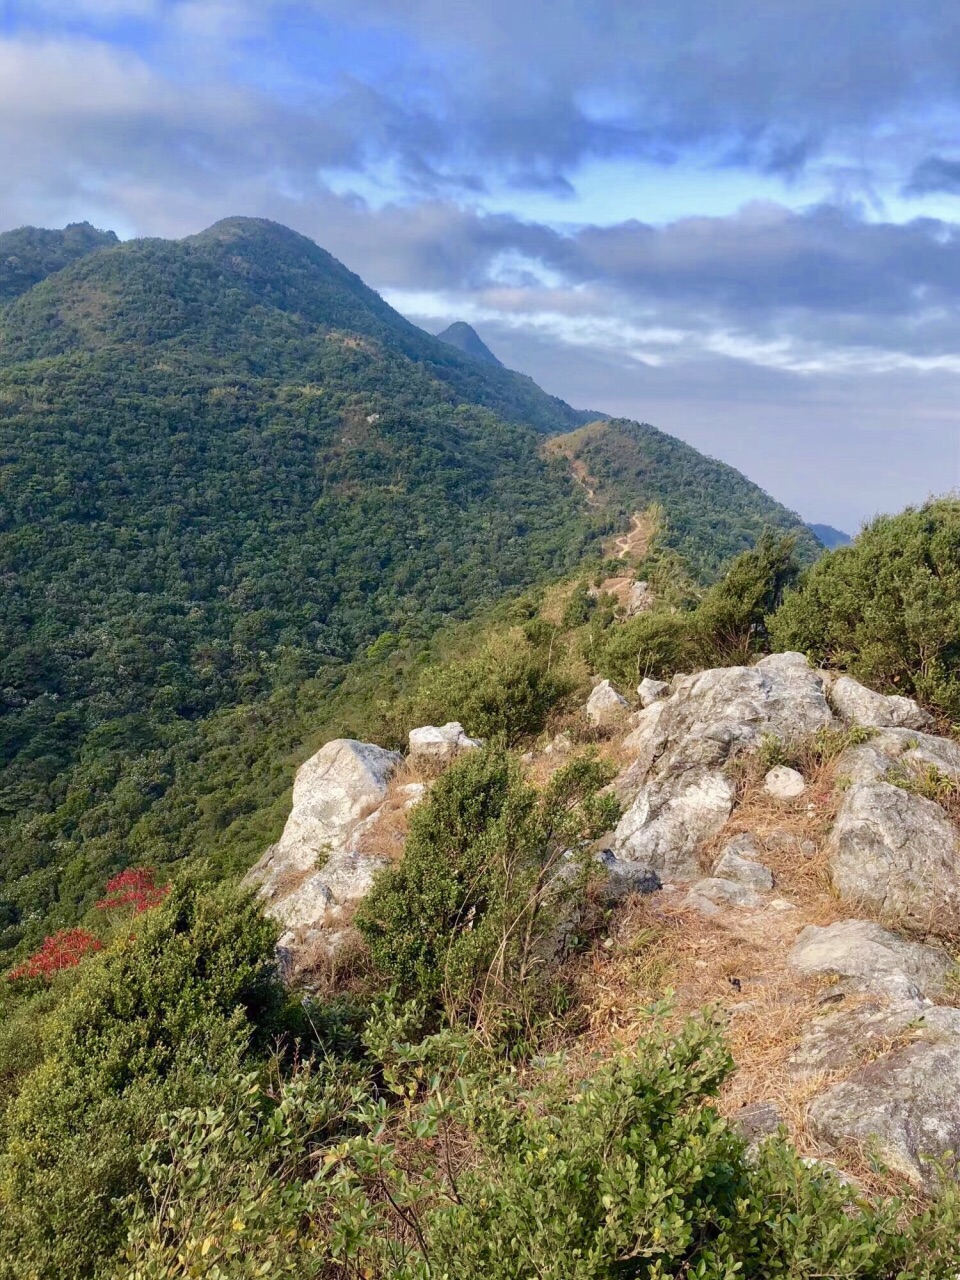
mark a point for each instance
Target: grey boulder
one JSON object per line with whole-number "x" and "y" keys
{"x": 896, "y": 854}
{"x": 862, "y": 706}
{"x": 873, "y": 959}
{"x": 440, "y": 745}
{"x": 605, "y": 707}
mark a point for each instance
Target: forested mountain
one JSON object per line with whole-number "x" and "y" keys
{"x": 227, "y": 467}
{"x": 831, "y": 537}
{"x": 30, "y": 254}
{"x": 466, "y": 339}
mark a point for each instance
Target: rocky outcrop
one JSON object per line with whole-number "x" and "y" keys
{"x": 639, "y": 599}
{"x": 856, "y": 704}
{"x": 903, "y": 1105}
{"x": 677, "y": 792}
{"x": 896, "y": 854}
{"x": 438, "y": 747}
{"x": 872, "y": 959}
{"x": 605, "y": 707}
{"x": 326, "y": 858}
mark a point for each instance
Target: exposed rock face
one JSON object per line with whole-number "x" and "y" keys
{"x": 844, "y": 1038}
{"x": 738, "y": 862}
{"x": 605, "y": 707}
{"x": 860, "y": 705}
{"x": 872, "y": 959}
{"x": 670, "y": 819}
{"x": 652, "y": 690}
{"x": 783, "y": 783}
{"x": 639, "y": 599}
{"x": 897, "y": 854}
{"x": 904, "y": 1103}
{"x": 677, "y": 793}
{"x": 440, "y": 746}
{"x": 322, "y": 864}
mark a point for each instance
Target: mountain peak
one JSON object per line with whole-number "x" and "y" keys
{"x": 466, "y": 339}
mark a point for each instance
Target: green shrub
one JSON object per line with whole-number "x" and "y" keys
{"x": 149, "y": 1024}
{"x": 506, "y": 692}
{"x": 451, "y": 1170}
{"x": 461, "y": 922}
{"x": 887, "y": 607}
{"x": 728, "y": 625}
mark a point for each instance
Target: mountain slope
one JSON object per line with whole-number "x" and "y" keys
{"x": 228, "y": 468}
{"x": 466, "y": 339}
{"x": 711, "y": 511}
{"x": 30, "y": 254}
{"x": 831, "y": 537}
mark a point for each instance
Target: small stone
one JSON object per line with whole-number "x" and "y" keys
{"x": 717, "y": 893}
{"x": 784, "y": 783}
{"x": 605, "y": 707}
{"x": 733, "y": 865}
{"x": 651, "y": 691}
{"x": 757, "y": 1120}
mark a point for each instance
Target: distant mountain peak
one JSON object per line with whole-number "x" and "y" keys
{"x": 466, "y": 339}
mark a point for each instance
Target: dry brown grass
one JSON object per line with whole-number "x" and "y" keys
{"x": 387, "y": 836}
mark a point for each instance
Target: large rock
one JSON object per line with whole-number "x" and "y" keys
{"x": 439, "y": 746}
{"x": 905, "y": 1105}
{"x": 670, "y": 819}
{"x": 872, "y": 959}
{"x": 862, "y": 706}
{"x": 676, "y": 792}
{"x": 332, "y": 791}
{"x": 325, "y": 860}
{"x": 896, "y": 854}
{"x": 605, "y": 707}
{"x": 639, "y": 599}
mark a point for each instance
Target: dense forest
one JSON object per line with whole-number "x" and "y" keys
{"x": 228, "y": 469}
{"x": 30, "y": 254}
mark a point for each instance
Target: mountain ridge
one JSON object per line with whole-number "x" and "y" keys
{"x": 229, "y": 468}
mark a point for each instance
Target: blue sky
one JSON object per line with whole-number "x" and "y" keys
{"x": 739, "y": 222}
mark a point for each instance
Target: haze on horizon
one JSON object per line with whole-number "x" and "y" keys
{"x": 739, "y": 222}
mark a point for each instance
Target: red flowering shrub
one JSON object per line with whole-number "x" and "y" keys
{"x": 63, "y": 950}
{"x": 133, "y": 888}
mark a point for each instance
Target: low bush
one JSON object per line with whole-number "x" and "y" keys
{"x": 505, "y": 693}
{"x": 728, "y": 625}
{"x": 887, "y": 607}
{"x": 489, "y": 865}
{"x": 451, "y": 1170}
{"x": 149, "y": 1023}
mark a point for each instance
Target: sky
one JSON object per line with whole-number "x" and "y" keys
{"x": 738, "y": 221}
